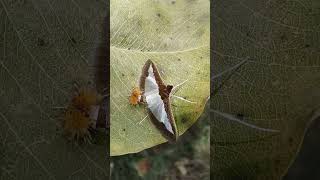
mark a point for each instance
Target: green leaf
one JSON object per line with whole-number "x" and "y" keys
{"x": 175, "y": 36}
{"x": 276, "y": 88}
{"x": 45, "y": 47}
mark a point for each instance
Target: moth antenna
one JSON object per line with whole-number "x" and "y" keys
{"x": 183, "y": 99}
{"x": 175, "y": 88}
{"x": 233, "y": 118}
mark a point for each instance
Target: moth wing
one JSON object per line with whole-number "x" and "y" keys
{"x": 156, "y": 106}
{"x": 151, "y": 87}
{"x": 153, "y": 98}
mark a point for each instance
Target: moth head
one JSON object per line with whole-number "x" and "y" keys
{"x": 169, "y": 88}
{"x": 135, "y": 97}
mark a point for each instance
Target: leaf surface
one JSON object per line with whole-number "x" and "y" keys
{"x": 175, "y": 36}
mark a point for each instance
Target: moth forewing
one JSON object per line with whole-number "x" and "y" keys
{"x": 157, "y": 96}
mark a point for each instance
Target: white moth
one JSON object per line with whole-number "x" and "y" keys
{"x": 157, "y": 97}
{"x": 154, "y": 101}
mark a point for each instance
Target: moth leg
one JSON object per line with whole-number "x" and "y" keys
{"x": 142, "y": 102}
